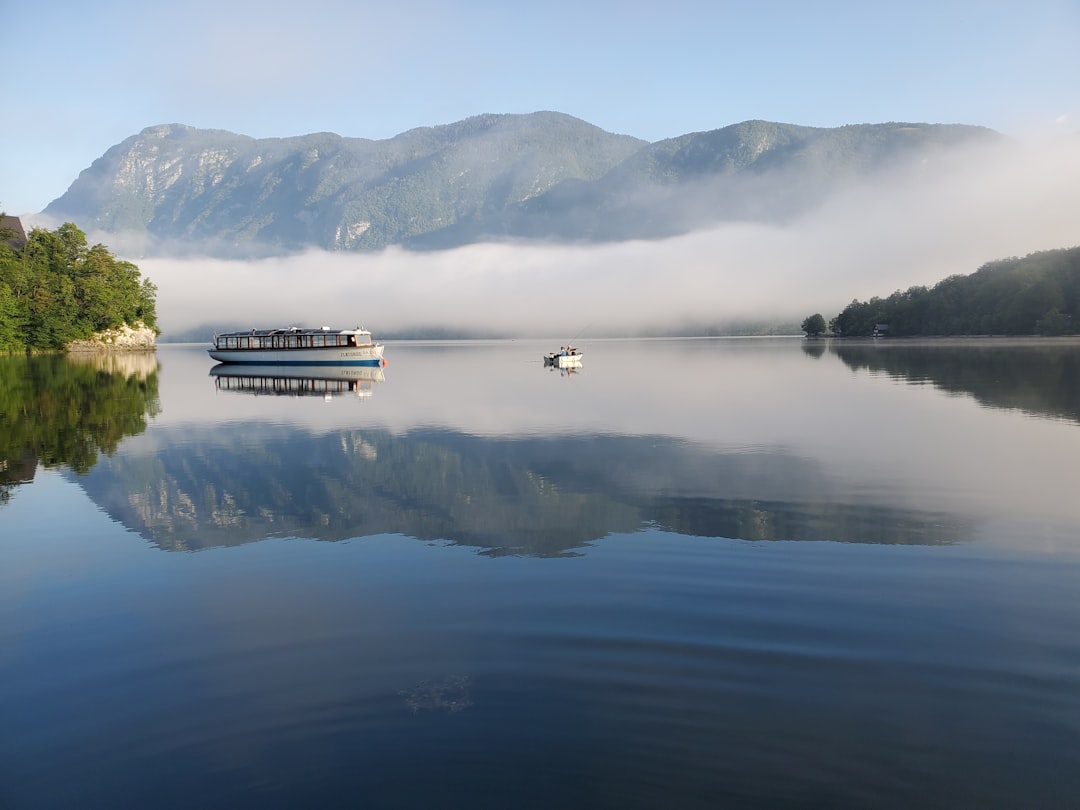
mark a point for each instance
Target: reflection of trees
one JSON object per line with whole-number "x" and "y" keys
{"x": 531, "y": 496}
{"x": 1035, "y": 376}
{"x": 62, "y": 412}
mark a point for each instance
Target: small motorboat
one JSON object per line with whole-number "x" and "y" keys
{"x": 566, "y": 357}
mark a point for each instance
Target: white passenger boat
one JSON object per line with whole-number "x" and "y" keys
{"x": 566, "y": 357}
{"x": 294, "y": 346}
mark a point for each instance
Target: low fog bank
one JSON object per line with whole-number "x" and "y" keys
{"x": 913, "y": 227}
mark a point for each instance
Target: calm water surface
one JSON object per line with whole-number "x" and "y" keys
{"x": 693, "y": 573}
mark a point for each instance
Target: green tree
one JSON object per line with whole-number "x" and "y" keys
{"x": 814, "y": 325}
{"x": 57, "y": 289}
{"x": 1038, "y": 294}
{"x": 1054, "y": 322}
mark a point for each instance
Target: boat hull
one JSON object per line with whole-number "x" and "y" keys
{"x": 327, "y": 356}
{"x": 563, "y": 360}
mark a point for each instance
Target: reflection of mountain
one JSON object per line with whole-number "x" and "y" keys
{"x": 533, "y": 496}
{"x": 1036, "y": 376}
{"x": 64, "y": 411}
{"x": 297, "y": 381}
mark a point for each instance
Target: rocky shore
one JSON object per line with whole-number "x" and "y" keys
{"x": 138, "y": 338}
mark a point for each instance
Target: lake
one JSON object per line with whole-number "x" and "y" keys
{"x": 759, "y": 572}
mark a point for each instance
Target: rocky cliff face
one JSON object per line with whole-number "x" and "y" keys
{"x": 125, "y": 339}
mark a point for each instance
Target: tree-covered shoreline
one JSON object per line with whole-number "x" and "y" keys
{"x": 1038, "y": 294}
{"x": 56, "y": 289}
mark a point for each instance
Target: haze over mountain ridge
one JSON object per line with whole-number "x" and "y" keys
{"x": 542, "y": 176}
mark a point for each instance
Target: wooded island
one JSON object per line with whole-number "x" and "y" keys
{"x": 56, "y": 290}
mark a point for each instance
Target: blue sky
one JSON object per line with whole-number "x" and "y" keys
{"x": 80, "y": 77}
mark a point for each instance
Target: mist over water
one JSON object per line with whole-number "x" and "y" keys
{"x": 913, "y": 226}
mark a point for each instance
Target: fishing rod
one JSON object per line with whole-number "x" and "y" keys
{"x": 582, "y": 331}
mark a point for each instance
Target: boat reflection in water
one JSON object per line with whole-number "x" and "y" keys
{"x": 564, "y": 371}
{"x": 297, "y": 381}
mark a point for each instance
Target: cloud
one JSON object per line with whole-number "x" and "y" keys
{"x": 914, "y": 227}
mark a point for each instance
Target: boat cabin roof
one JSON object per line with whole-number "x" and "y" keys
{"x": 295, "y": 330}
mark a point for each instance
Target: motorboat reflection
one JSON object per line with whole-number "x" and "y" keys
{"x": 298, "y": 381}
{"x": 564, "y": 371}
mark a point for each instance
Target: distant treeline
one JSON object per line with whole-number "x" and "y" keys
{"x": 1036, "y": 295}
{"x": 55, "y": 289}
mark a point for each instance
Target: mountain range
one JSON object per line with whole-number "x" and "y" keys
{"x": 538, "y": 176}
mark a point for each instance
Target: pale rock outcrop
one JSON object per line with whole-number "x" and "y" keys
{"x": 126, "y": 338}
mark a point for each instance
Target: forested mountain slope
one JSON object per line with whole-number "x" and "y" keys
{"x": 543, "y": 175}
{"x": 1035, "y": 295}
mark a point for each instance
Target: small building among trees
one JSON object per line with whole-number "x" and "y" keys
{"x": 12, "y": 233}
